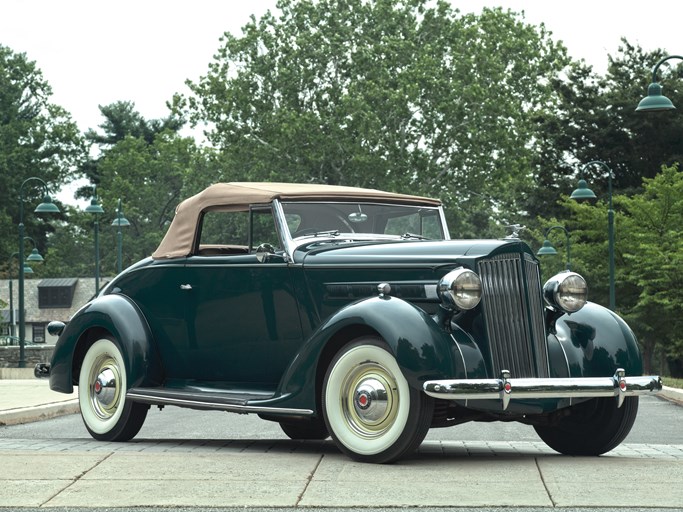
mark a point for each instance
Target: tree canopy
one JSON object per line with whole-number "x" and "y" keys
{"x": 37, "y": 138}
{"x": 401, "y": 96}
{"x": 484, "y": 111}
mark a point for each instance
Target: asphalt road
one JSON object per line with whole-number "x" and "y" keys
{"x": 185, "y": 460}
{"x": 659, "y": 422}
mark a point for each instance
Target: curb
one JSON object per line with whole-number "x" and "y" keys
{"x": 38, "y": 412}
{"x": 672, "y": 394}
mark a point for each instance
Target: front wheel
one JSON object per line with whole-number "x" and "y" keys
{"x": 371, "y": 412}
{"x": 591, "y": 428}
{"x": 102, "y": 395}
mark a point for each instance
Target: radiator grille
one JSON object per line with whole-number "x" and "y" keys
{"x": 513, "y": 312}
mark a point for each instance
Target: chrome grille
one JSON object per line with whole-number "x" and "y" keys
{"x": 513, "y": 313}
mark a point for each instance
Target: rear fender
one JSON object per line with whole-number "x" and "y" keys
{"x": 115, "y": 315}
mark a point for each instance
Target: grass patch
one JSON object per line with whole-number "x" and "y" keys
{"x": 673, "y": 383}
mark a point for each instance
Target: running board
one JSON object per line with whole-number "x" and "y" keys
{"x": 215, "y": 401}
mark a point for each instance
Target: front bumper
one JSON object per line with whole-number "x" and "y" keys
{"x": 504, "y": 389}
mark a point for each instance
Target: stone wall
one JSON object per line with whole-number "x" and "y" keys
{"x": 9, "y": 355}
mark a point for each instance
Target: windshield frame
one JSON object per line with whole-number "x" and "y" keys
{"x": 291, "y": 244}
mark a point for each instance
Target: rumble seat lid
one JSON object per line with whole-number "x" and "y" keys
{"x": 179, "y": 239}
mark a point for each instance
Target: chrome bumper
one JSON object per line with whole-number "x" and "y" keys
{"x": 504, "y": 389}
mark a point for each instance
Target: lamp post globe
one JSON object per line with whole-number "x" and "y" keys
{"x": 120, "y": 221}
{"x": 582, "y": 193}
{"x": 95, "y": 208}
{"x": 655, "y": 101}
{"x": 47, "y": 206}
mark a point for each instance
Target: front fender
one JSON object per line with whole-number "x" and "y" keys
{"x": 120, "y": 317}
{"x": 596, "y": 341}
{"x": 422, "y": 349}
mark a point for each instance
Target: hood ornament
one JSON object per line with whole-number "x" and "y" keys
{"x": 516, "y": 228}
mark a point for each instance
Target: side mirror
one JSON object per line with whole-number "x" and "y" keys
{"x": 265, "y": 252}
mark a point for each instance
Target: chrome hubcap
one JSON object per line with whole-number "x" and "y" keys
{"x": 105, "y": 387}
{"x": 370, "y": 400}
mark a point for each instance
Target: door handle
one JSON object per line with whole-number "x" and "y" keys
{"x": 185, "y": 286}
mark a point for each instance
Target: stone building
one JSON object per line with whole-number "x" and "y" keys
{"x": 45, "y": 300}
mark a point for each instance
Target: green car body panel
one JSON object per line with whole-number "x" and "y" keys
{"x": 265, "y": 319}
{"x": 162, "y": 323}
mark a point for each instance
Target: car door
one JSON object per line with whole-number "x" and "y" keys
{"x": 241, "y": 311}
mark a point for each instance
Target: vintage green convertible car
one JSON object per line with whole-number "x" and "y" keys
{"x": 348, "y": 312}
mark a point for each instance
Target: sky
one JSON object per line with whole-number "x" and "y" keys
{"x": 96, "y": 52}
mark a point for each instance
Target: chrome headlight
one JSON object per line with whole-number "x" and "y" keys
{"x": 566, "y": 291}
{"x": 460, "y": 289}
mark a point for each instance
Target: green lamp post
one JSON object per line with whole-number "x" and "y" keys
{"x": 549, "y": 250}
{"x": 95, "y": 208}
{"x": 582, "y": 193}
{"x": 119, "y": 221}
{"x": 655, "y": 101}
{"x": 47, "y": 206}
{"x": 34, "y": 256}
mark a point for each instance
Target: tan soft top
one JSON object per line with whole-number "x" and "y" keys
{"x": 180, "y": 236}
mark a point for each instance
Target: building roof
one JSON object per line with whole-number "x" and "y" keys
{"x": 84, "y": 291}
{"x": 57, "y": 282}
{"x": 238, "y": 196}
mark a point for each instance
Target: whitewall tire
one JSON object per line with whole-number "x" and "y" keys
{"x": 102, "y": 386}
{"x": 370, "y": 410}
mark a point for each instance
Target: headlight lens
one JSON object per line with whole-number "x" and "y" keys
{"x": 566, "y": 291}
{"x": 460, "y": 288}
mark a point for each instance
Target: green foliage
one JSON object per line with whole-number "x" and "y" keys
{"x": 37, "y": 138}
{"x": 595, "y": 119}
{"x": 648, "y": 258}
{"x": 407, "y": 96}
{"x": 654, "y": 258}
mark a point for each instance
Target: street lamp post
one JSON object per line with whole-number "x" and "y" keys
{"x": 119, "y": 221}
{"x": 655, "y": 101}
{"x": 95, "y": 208}
{"x": 47, "y": 206}
{"x": 548, "y": 249}
{"x": 583, "y": 192}
{"x": 34, "y": 257}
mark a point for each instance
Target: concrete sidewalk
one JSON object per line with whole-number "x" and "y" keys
{"x": 27, "y": 400}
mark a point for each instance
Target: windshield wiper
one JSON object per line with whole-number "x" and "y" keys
{"x": 333, "y": 232}
{"x": 413, "y": 235}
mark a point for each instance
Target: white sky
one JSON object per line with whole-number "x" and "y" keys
{"x": 95, "y": 52}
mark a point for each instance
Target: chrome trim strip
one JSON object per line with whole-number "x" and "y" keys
{"x": 505, "y": 389}
{"x": 207, "y": 405}
{"x": 283, "y": 230}
{"x": 444, "y": 224}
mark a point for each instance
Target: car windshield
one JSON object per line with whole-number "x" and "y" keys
{"x": 317, "y": 219}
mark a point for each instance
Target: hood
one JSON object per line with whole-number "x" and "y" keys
{"x": 405, "y": 252}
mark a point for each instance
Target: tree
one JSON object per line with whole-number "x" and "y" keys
{"x": 148, "y": 165}
{"x": 37, "y": 138}
{"x": 648, "y": 257}
{"x": 595, "y": 119}
{"x": 654, "y": 256}
{"x": 408, "y": 96}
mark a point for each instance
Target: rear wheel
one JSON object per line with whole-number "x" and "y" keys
{"x": 592, "y": 428}
{"x": 371, "y": 412}
{"x": 102, "y": 386}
